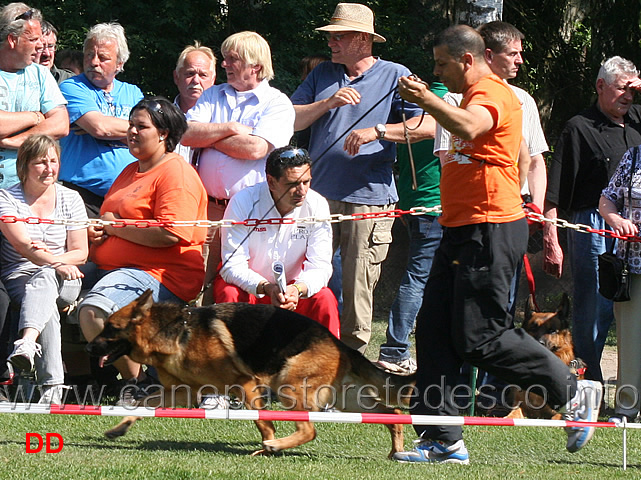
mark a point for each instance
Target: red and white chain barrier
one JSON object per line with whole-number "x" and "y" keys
{"x": 334, "y": 218}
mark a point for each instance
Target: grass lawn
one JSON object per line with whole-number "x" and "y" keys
{"x": 194, "y": 449}
{"x": 198, "y": 449}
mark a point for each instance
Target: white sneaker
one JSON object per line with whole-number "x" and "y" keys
{"x": 584, "y": 407}
{"x": 430, "y": 451}
{"x": 24, "y": 351}
{"x": 52, "y": 394}
{"x": 401, "y": 367}
{"x": 213, "y": 401}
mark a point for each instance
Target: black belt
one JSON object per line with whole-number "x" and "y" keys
{"x": 218, "y": 201}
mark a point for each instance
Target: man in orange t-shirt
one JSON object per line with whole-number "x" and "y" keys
{"x": 464, "y": 316}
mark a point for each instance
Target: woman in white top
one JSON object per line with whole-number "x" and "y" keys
{"x": 40, "y": 260}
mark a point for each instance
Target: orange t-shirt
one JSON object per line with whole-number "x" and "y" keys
{"x": 170, "y": 191}
{"x": 480, "y": 177}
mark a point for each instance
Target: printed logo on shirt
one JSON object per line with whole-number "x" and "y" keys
{"x": 453, "y": 154}
{"x": 300, "y": 232}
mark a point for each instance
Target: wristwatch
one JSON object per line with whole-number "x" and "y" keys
{"x": 380, "y": 131}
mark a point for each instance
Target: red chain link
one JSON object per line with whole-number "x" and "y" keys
{"x": 254, "y": 222}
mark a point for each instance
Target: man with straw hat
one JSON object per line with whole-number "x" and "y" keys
{"x": 355, "y": 116}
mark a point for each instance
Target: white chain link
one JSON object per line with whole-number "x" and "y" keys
{"x": 333, "y": 218}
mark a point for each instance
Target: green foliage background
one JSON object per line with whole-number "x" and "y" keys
{"x": 566, "y": 40}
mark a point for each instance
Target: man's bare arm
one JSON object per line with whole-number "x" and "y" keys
{"x": 205, "y": 135}
{"x": 55, "y": 123}
{"x": 466, "y": 123}
{"x": 418, "y": 130}
{"x": 537, "y": 180}
{"x": 552, "y": 252}
{"x": 13, "y": 122}
{"x": 245, "y": 147}
{"x": 524, "y": 163}
{"x": 103, "y": 127}
{"x": 308, "y": 114}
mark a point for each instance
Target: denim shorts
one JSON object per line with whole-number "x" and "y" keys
{"x": 118, "y": 288}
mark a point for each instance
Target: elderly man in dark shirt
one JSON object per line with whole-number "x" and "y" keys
{"x": 586, "y": 154}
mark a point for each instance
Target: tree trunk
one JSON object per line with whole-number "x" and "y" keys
{"x": 478, "y": 12}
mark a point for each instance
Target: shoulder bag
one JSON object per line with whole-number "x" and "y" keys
{"x": 614, "y": 277}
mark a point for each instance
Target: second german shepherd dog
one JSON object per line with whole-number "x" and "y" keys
{"x": 552, "y": 330}
{"x": 249, "y": 347}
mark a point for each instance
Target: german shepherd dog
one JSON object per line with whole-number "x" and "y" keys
{"x": 249, "y": 347}
{"x": 552, "y": 330}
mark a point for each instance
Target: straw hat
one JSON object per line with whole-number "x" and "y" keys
{"x": 352, "y": 17}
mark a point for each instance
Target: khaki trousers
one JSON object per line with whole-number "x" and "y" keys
{"x": 364, "y": 245}
{"x": 628, "y": 318}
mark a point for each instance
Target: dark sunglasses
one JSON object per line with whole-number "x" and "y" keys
{"x": 28, "y": 15}
{"x": 154, "y": 106}
{"x": 293, "y": 153}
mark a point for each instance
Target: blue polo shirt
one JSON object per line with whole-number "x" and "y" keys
{"x": 366, "y": 178}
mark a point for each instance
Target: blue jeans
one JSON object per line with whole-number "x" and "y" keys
{"x": 117, "y": 288}
{"x": 336, "y": 280}
{"x": 592, "y": 313}
{"x": 425, "y": 235}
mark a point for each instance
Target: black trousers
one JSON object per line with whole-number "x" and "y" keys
{"x": 464, "y": 318}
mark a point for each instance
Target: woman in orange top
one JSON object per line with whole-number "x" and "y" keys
{"x": 160, "y": 186}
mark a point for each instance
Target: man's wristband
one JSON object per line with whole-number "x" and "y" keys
{"x": 300, "y": 290}
{"x": 37, "y": 119}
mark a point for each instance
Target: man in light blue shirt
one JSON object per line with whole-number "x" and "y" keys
{"x": 30, "y": 101}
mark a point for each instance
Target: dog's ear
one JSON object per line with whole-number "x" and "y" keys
{"x": 563, "y": 310}
{"x": 529, "y": 309}
{"x": 142, "y": 307}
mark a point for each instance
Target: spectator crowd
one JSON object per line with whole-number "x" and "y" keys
{"x": 76, "y": 143}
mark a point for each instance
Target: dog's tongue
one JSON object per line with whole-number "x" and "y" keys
{"x": 102, "y": 360}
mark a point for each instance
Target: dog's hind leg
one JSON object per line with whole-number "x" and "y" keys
{"x": 369, "y": 399}
{"x": 305, "y": 432}
{"x": 168, "y": 398}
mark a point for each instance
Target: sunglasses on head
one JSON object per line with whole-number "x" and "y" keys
{"x": 293, "y": 153}
{"x": 28, "y": 15}
{"x": 154, "y": 106}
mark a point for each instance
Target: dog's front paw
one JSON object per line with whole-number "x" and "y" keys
{"x": 115, "y": 433}
{"x": 271, "y": 446}
{"x": 260, "y": 452}
{"x": 122, "y": 428}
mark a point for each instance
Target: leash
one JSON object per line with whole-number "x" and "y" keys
{"x": 338, "y": 138}
{"x": 531, "y": 207}
{"x": 406, "y": 134}
{"x": 530, "y": 281}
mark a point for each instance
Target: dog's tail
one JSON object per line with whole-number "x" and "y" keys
{"x": 393, "y": 389}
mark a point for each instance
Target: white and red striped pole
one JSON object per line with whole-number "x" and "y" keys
{"x": 305, "y": 416}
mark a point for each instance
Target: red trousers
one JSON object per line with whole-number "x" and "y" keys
{"x": 321, "y": 307}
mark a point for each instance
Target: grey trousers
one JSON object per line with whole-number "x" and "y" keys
{"x": 41, "y": 293}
